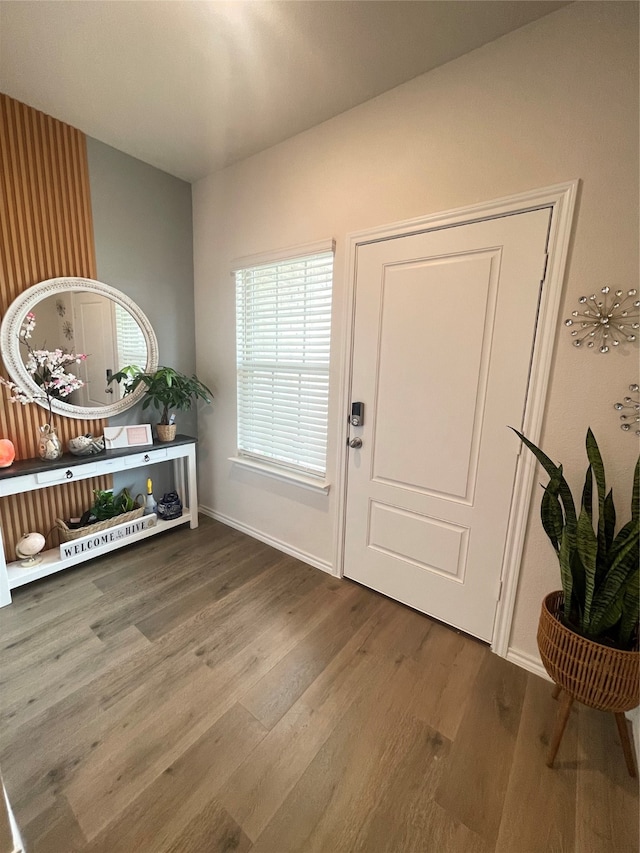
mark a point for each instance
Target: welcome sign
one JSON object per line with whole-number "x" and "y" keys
{"x": 102, "y": 539}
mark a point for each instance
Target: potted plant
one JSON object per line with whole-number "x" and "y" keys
{"x": 166, "y": 389}
{"x": 588, "y": 631}
{"x": 106, "y": 511}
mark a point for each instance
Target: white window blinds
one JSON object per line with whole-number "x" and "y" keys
{"x": 283, "y": 335}
{"x": 132, "y": 347}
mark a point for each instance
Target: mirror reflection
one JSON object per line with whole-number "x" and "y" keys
{"x": 83, "y": 321}
{"x": 79, "y": 316}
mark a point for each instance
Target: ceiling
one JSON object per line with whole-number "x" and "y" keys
{"x": 191, "y": 86}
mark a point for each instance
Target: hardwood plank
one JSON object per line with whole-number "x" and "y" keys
{"x": 277, "y": 691}
{"x": 607, "y": 797}
{"x": 368, "y": 788}
{"x": 54, "y": 831}
{"x": 43, "y": 756}
{"x": 36, "y": 606}
{"x": 168, "y": 585}
{"x": 213, "y": 829}
{"x": 474, "y": 785}
{"x": 446, "y": 665}
{"x": 47, "y": 751}
{"x": 177, "y": 798}
{"x": 167, "y": 723}
{"x": 148, "y": 738}
{"x": 26, "y": 699}
{"x": 531, "y": 781}
{"x": 256, "y": 791}
{"x": 173, "y": 549}
{"x": 389, "y": 733}
{"x": 189, "y": 603}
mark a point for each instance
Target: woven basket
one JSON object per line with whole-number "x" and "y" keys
{"x": 598, "y": 676}
{"x": 166, "y": 432}
{"x": 67, "y": 535}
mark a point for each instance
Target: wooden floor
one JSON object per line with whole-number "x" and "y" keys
{"x": 203, "y": 692}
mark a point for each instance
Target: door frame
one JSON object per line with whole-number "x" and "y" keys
{"x": 561, "y": 198}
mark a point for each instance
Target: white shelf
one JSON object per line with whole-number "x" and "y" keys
{"x": 52, "y": 562}
{"x": 32, "y": 475}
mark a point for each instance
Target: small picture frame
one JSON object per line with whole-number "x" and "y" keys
{"x": 132, "y": 435}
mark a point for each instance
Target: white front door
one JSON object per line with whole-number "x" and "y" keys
{"x": 443, "y": 336}
{"x": 95, "y": 335}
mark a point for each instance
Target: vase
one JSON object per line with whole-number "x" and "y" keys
{"x": 49, "y": 445}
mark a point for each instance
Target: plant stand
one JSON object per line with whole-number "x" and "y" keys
{"x": 600, "y": 677}
{"x": 564, "y": 710}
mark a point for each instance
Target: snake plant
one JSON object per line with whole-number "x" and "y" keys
{"x": 598, "y": 567}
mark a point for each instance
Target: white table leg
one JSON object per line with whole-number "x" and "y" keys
{"x": 193, "y": 486}
{"x": 5, "y": 592}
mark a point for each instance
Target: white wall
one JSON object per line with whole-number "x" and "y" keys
{"x": 553, "y": 101}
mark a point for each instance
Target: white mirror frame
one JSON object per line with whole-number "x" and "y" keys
{"x": 28, "y": 300}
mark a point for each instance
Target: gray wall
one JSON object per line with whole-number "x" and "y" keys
{"x": 144, "y": 247}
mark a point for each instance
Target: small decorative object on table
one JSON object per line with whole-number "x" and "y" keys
{"x": 150, "y": 501}
{"x": 48, "y": 371}
{"x": 28, "y": 547}
{"x": 49, "y": 445}
{"x": 86, "y": 445}
{"x": 169, "y": 507}
{"x": 7, "y": 452}
{"x": 131, "y": 435}
{"x": 166, "y": 389}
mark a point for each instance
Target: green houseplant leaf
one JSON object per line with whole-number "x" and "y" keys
{"x": 598, "y": 567}
{"x": 166, "y": 388}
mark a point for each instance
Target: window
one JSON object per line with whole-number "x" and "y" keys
{"x": 283, "y": 333}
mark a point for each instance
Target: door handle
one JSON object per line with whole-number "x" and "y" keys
{"x": 355, "y": 443}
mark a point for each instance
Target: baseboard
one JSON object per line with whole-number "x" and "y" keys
{"x": 525, "y": 660}
{"x": 268, "y": 540}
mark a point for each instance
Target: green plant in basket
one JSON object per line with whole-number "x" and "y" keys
{"x": 166, "y": 388}
{"x": 107, "y": 505}
{"x": 598, "y": 567}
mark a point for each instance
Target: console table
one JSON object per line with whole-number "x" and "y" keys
{"x": 29, "y": 475}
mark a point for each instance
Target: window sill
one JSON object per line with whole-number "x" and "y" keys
{"x": 306, "y": 482}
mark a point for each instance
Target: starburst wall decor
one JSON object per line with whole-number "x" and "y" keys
{"x": 606, "y": 321}
{"x": 630, "y": 407}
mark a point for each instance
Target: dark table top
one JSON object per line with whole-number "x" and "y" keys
{"x": 68, "y": 460}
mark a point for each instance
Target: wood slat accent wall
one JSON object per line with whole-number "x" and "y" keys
{"x": 46, "y": 231}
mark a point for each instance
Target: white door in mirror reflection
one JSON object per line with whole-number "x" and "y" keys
{"x": 96, "y": 336}
{"x": 85, "y": 321}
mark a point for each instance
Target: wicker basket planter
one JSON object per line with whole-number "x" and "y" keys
{"x": 599, "y": 676}
{"x": 68, "y": 535}
{"x": 166, "y": 432}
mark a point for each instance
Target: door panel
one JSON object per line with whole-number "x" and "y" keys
{"x": 95, "y": 335}
{"x": 455, "y": 346}
{"x": 443, "y": 334}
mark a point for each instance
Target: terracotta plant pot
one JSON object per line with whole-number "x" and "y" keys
{"x": 166, "y": 432}
{"x": 599, "y": 676}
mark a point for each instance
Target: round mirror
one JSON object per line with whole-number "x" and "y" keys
{"x": 80, "y": 315}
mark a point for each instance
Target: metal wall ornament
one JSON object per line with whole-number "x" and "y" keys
{"x": 630, "y": 407}
{"x": 607, "y": 320}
